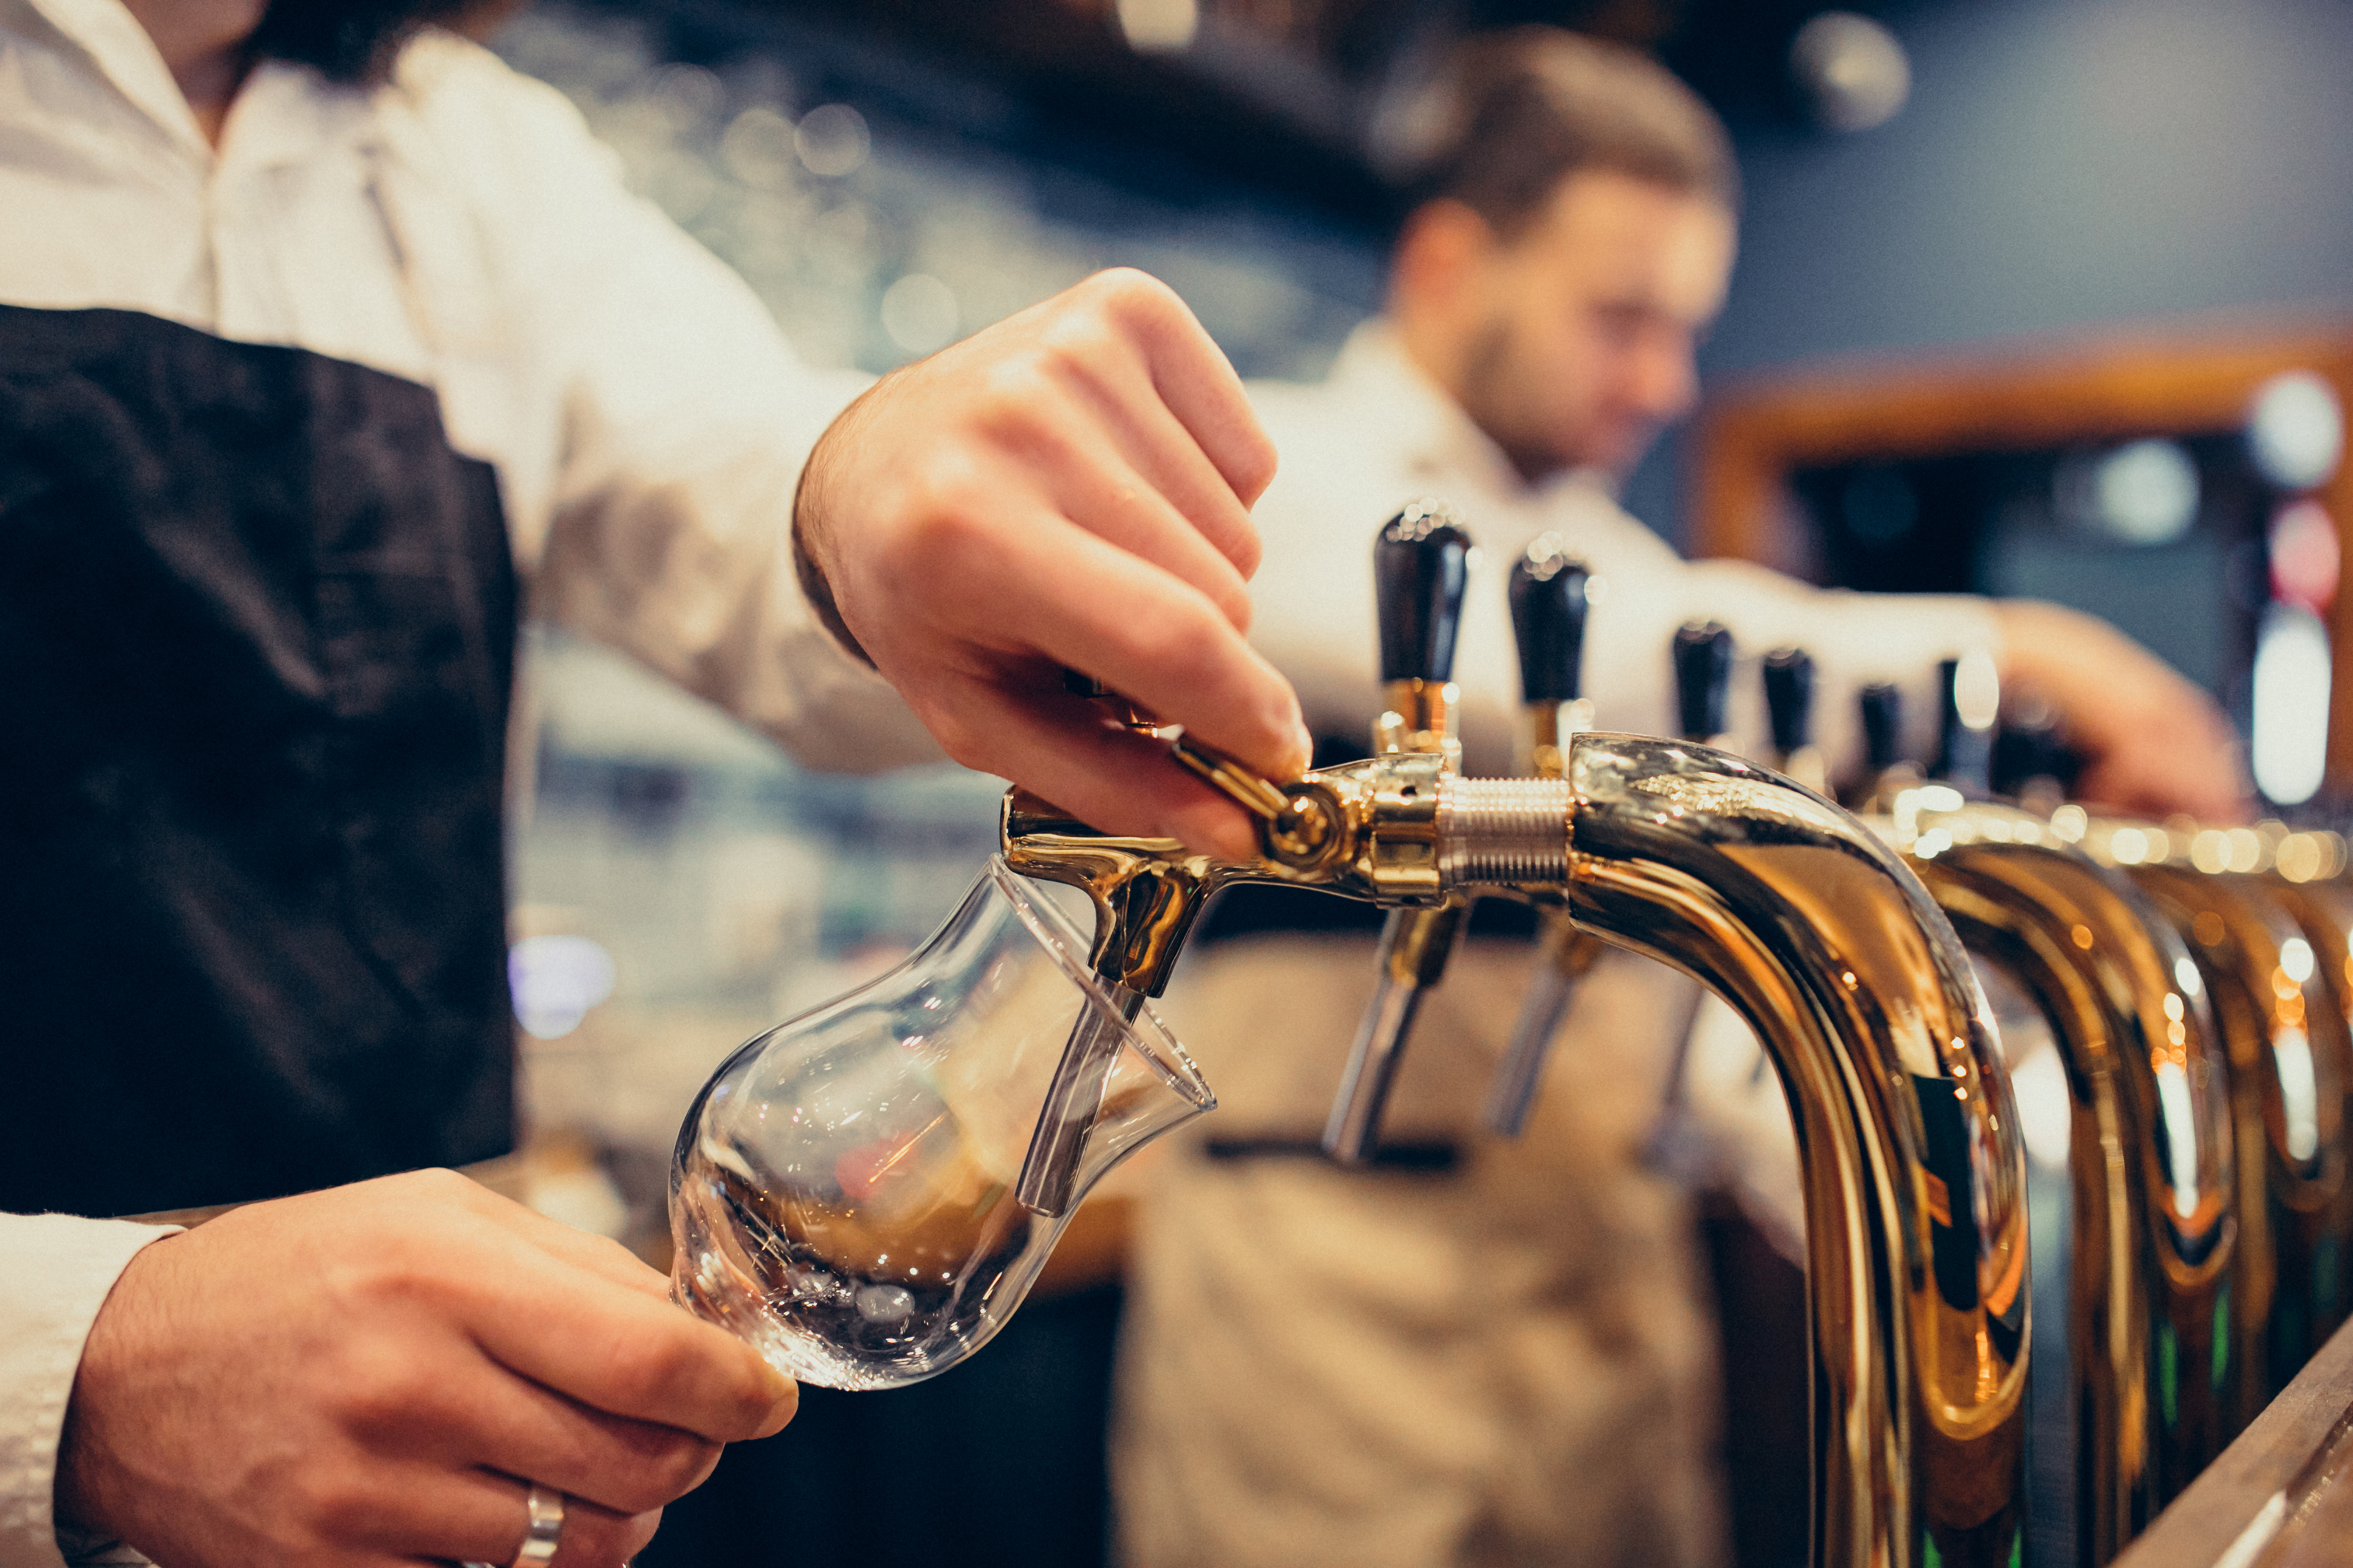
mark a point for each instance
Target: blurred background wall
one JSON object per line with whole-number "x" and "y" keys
{"x": 2059, "y": 164}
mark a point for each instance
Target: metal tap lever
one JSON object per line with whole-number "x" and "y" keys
{"x": 1789, "y": 710}
{"x": 1295, "y": 826}
{"x": 1702, "y": 656}
{"x": 1049, "y": 1180}
{"x": 1550, "y": 594}
{"x": 1421, "y": 563}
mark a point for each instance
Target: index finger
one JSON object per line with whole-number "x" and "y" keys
{"x": 1090, "y": 606}
{"x": 1195, "y": 379}
{"x": 600, "y": 1255}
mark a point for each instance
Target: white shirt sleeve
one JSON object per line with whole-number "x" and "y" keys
{"x": 659, "y": 520}
{"x": 55, "y": 1273}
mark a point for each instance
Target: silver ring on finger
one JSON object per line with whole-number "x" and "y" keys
{"x": 545, "y": 1528}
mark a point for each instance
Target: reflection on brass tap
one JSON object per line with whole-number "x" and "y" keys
{"x": 2290, "y": 1058}
{"x": 2321, "y": 904}
{"x": 2150, "y": 1153}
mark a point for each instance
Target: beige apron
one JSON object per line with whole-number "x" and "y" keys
{"x": 1509, "y": 1362}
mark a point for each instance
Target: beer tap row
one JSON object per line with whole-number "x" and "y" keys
{"x": 2198, "y": 981}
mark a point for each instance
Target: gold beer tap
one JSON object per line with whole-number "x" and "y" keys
{"x": 2291, "y": 1065}
{"x": 2150, "y": 1165}
{"x": 1421, "y": 562}
{"x": 1815, "y": 934}
{"x": 1550, "y": 592}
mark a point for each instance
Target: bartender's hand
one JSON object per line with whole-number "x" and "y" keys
{"x": 1070, "y": 489}
{"x": 2153, "y": 742}
{"x": 373, "y": 1375}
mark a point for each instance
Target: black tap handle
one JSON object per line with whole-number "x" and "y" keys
{"x": 1702, "y": 678}
{"x": 2032, "y": 749}
{"x": 1548, "y": 606}
{"x": 1963, "y": 753}
{"x": 1882, "y": 726}
{"x": 1789, "y": 698}
{"x": 1421, "y": 563}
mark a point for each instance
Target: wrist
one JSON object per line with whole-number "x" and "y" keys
{"x": 814, "y": 586}
{"x": 81, "y": 1493}
{"x": 813, "y": 581}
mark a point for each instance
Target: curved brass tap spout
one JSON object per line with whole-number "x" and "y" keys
{"x": 2290, "y": 1059}
{"x": 1816, "y": 932}
{"x": 1913, "y": 1167}
{"x": 2150, "y": 1156}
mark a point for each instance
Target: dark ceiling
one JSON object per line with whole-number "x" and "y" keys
{"x": 1278, "y": 95}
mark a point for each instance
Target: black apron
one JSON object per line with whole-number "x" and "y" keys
{"x": 256, "y": 633}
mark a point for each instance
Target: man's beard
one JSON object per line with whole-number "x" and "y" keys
{"x": 1490, "y": 394}
{"x": 348, "y": 41}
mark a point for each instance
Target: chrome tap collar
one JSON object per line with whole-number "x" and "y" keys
{"x": 1511, "y": 831}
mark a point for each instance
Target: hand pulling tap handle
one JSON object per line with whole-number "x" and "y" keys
{"x": 1703, "y": 655}
{"x": 1549, "y": 597}
{"x": 1790, "y": 709}
{"x": 1421, "y": 566}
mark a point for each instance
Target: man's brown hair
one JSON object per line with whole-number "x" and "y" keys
{"x": 1516, "y": 112}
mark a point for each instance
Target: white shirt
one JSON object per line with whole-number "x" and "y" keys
{"x": 459, "y": 228}
{"x": 1379, "y": 432}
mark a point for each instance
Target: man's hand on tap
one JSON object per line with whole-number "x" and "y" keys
{"x": 2153, "y": 744}
{"x": 1068, "y": 490}
{"x": 374, "y": 1373}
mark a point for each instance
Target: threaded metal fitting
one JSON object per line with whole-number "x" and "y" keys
{"x": 1502, "y": 830}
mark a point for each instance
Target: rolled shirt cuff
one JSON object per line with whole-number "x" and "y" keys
{"x": 56, "y": 1271}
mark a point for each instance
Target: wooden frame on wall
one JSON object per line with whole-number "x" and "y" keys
{"x": 1751, "y": 439}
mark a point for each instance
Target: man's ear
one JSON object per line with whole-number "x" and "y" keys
{"x": 1442, "y": 245}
